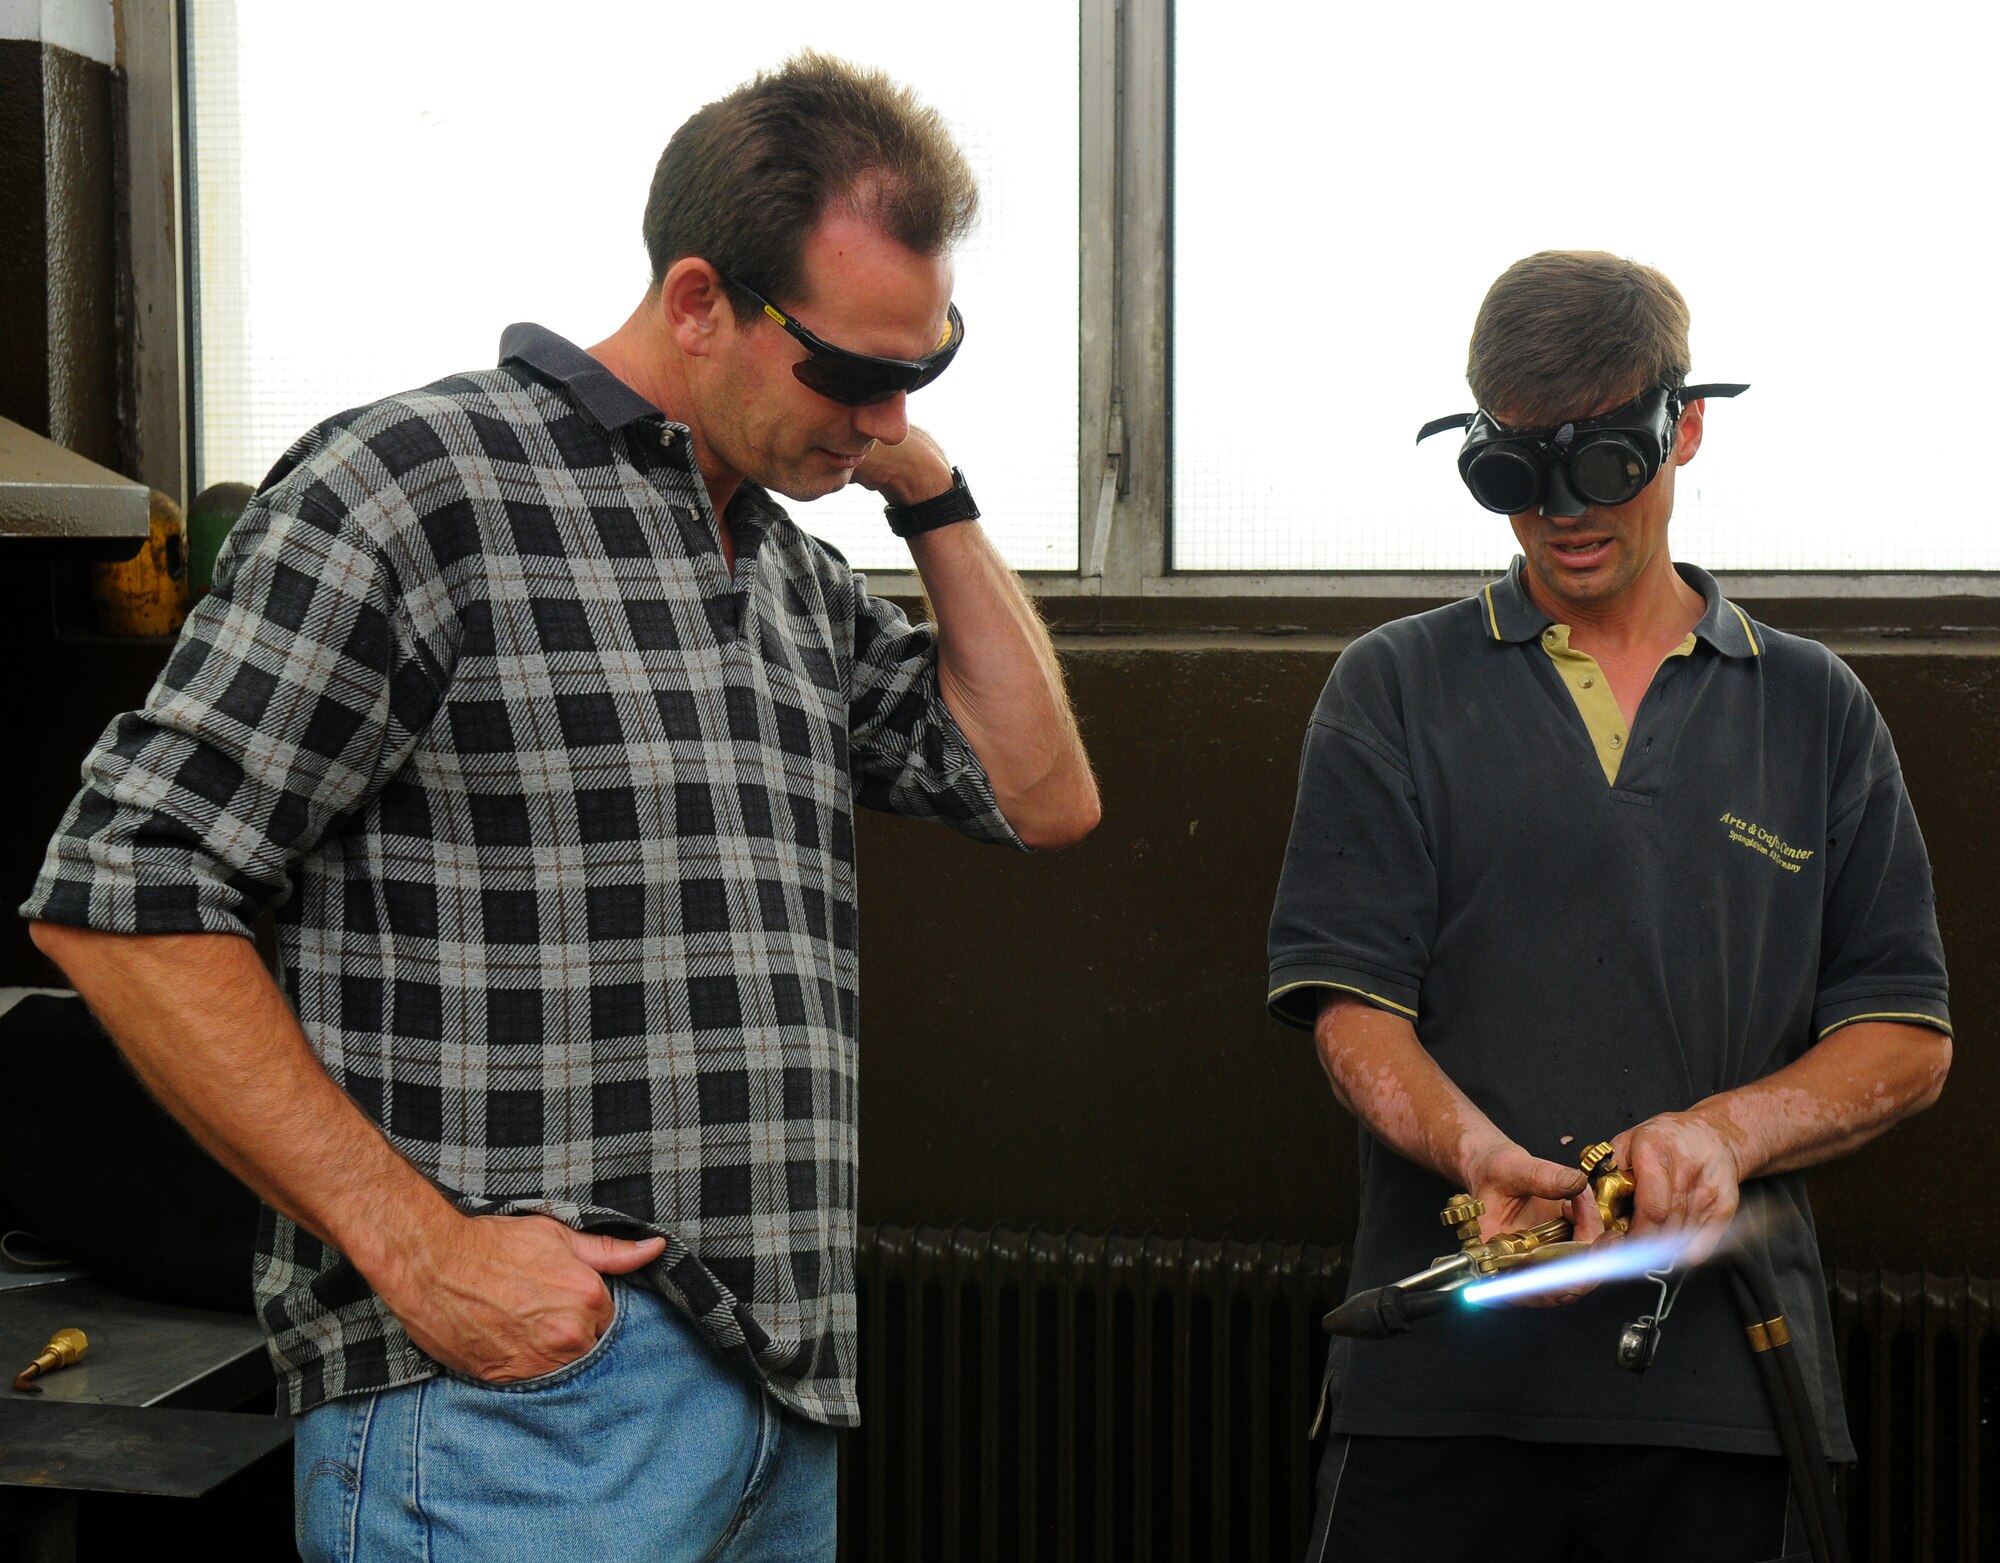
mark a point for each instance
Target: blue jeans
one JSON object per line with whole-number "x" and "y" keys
{"x": 647, "y": 1448}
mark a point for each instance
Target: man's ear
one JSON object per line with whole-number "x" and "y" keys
{"x": 1687, "y": 438}
{"x": 694, "y": 305}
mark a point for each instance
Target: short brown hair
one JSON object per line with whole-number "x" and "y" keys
{"x": 1565, "y": 331}
{"x": 745, "y": 181}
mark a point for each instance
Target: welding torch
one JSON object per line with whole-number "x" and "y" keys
{"x": 1475, "y": 1273}
{"x": 1392, "y": 1309}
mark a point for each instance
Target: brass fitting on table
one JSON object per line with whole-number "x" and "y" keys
{"x": 64, "y": 1347}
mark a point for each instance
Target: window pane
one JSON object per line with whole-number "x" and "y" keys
{"x": 1815, "y": 182}
{"x": 377, "y": 199}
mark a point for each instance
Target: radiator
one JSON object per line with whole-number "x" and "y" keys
{"x": 1921, "y": 1370}
{"x": 1037, "y": 1396}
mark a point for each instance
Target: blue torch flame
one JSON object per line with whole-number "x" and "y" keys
{"x": 1605, "y": 1262}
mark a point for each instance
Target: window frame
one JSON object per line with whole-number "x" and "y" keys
{"x": 160, "y": 243}
{"x": 1124, "y": 573}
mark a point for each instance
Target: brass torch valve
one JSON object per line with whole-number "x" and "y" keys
{"x": 64, "y": 1347}
{"x": 1462, "y": 1216}
{"x": 1610, "y": 1184}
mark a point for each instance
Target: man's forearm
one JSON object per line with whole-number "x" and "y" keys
{"x": 205, "y": 1028}
{"x": 1382, "y": 1074}
{"x": 1837, "y": 1096}
{"x": 996, "y": 665}
{"x": 1385, "y": 1076}
{"x": 1000, "y": 677}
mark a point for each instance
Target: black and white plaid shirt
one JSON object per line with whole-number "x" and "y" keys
{"x": 557, "y": 819}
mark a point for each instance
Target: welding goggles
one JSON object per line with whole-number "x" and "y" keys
{"x": 855, "y": 379}
{"x": 1604, "y": 460}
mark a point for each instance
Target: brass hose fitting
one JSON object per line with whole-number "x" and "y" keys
{"x": 64, "y": 1347}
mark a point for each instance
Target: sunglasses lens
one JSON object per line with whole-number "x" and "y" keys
{"x": 934, "y": 367}
{"x": 854, "y": 379}
{"x": 1505, "y": 481}
{"x": 1607, "y": 472}
{"x": 938, "y": 362}
{"x": 853, "y": 382}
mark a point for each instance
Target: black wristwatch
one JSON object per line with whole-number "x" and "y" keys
{"x": 954, "y": 504}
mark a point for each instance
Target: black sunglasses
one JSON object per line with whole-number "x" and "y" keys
{"x": 1605, "y": 460}
{"x": 855, "y": 379}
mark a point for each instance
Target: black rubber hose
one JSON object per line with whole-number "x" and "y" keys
{"x": 1791, "y": 1409}
{"x": 1385, "y": 1311}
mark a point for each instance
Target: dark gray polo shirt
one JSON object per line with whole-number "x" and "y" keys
{"x": 1580, "y": 951}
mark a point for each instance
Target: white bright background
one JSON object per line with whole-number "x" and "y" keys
{"x": 1817, "y": 180}
{"x": 383, "y": 188}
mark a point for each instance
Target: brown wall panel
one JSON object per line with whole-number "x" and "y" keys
{"x": 1901, "y": 1200}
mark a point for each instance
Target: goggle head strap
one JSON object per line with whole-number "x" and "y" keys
{"x": 1457, "y": 420}
{"x": 1604, "y": 459}
{"x": 1677, "y": 399}
{"x": 1684, "y": 394}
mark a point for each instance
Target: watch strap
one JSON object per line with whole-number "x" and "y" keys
{"x": 927, "y": 515}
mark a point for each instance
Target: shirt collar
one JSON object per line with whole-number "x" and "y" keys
{"x": 597, "y": 390}
{"x": 1508, "y": 613}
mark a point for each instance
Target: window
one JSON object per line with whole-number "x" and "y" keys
{"x": 378, "y": 196}
{"x": 1348, "y": 181}
{"x": 1283, "y": 221}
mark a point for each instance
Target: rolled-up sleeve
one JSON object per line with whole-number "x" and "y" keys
{"x": 292, "y": 694}
{"x": 906, "y": 752}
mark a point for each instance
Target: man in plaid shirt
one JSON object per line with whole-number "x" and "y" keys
{"x": 539, "y": 724}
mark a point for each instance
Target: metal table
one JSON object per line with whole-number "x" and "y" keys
{"x": 151, "y": 1409}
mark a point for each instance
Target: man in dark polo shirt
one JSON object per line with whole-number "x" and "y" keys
{"x": 1594, "y": 855}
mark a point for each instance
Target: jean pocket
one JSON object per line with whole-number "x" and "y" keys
{"x": 330, "y": 1442}
{"x": 569, "y": 1370}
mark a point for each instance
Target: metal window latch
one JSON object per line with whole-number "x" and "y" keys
{"x": 1114, "y": 482}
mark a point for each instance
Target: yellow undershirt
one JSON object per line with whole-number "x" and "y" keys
{"x": 1591, "y": 691}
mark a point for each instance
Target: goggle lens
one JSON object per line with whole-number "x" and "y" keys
{"x": 1504, "y": 481}
{"x": 1607, "y": 472}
